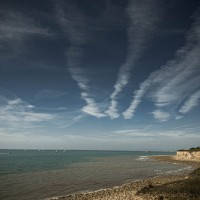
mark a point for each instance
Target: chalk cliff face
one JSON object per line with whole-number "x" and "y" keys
{"x": 188, "y": 155}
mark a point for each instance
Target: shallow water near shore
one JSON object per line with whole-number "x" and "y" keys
{"x": 34, "y": 174}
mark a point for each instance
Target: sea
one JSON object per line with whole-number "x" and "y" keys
{"x": 39, "y": 174}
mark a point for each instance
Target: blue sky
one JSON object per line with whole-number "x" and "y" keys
{"x": 110, "y": 75}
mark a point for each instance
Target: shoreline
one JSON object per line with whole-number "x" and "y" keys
{"x": 136, "y": 190}
{"x": 174, "y": 159}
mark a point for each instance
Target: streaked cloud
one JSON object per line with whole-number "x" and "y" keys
{"x": 72, "y": 21}
{"x": 161, "y": 115}
{"x": 191, "y": 102}
{"x": 43, "y": 141}
{"x": 169, "y": 86}
{"x": 74, "y": 55}
{"x": 74, "y": 24}
{"x": 72, "y": 118}
{"x": 143, "y": 17}
{"x": 124, "y": 139}
{"x": 180, "y": 77}
{"x": 113, "y": 110}
{"x": 48, "y": 94}
{"x": 16, "y": 25}
{"x": 68, "y": 67}
{"x": 176, "y": 132}
{"x": 138, "y": 94}
{"x": 73, "y": 60}
{"x": 178, "y": 117}
{"x": 188, "y": 126}
{"x": 91, "y": 108}
{"x": 16, "y": 112}
{"x": 15, "y": 29}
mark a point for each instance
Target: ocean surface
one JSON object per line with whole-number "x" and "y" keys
{"x": 35, "y": 174}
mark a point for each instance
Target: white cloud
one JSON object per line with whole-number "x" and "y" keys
{"x": 91, "y": 108}
{"x": 72, "y": 118}
{"x": 181, "y": 76}
{"x": 121, "y": 140}
{"x": 192, "y": 101}
{"x": 175, "y": 81}
{"x": 113, "y": 111}
{"x": 73, "y": 56}
{"x": 15, "y": 29}
{"x": 41, "y": 140}
{"x": 161, "y": 115}
{"x": 129, "y": 113}
{"x": 46, "y": 93}
{"x": 16, "y": 26}
{"x": 18, "y": 113}
{"x": 178, "y": 117}
{"x": 134, "y": 133}
{"x": 177, "y": 132}
{"x": 143, "y": 17}
{"x": 74, "y": 24}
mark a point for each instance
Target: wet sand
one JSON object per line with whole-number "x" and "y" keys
{"x": 174, "y": 159}
{"x": 141, "y": 190}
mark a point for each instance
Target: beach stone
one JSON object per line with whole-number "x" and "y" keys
{"x": 160, "y": 197}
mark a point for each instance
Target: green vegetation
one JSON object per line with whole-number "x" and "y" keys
{"x": 184, "y": 189}
{"x": 195, "y": 149}
{"x": 191, "y": 149}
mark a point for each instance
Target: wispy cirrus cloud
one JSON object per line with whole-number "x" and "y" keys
{"x": 75, "y": 25}
{"x": 137, "y": 98}
{"x": 16, "y": 25}
{"x": 175, "y": 81}
{"x": 143, "y": 17}
{"x": 73, "y": 118}
{"x": 15, "y": 29}
{"x": 73, "y": 22}
{"x": 91, "y": 108}
{"x": 74, "y": 55}
{"x": 176, "y": 132}
{"x": 48, "y": 94}
{"x": 15, "y": 112}
{"x": 77, "y": 74}
{"x": 190, "y": 103}
{"x": 161, "y": 115}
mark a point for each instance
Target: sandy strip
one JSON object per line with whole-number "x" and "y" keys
{"x": 174, "y": 159}
{"x": 133, "y": 190}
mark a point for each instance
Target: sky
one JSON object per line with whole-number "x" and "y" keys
{"x": 100, "y": 75}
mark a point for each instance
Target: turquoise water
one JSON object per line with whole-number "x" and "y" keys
{"x": 20, "y": 161}
{"x": 34, "y": 174}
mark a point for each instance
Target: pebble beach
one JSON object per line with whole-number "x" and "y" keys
{"x": 144, "y": 189}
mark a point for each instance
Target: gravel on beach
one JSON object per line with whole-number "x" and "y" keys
{"x": 157, "y": 188}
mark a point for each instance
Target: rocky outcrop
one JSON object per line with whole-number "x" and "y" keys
{"x": 188, "y": 155}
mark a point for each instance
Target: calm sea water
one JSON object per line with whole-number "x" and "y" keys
{"x": 35, "y": 175}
